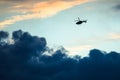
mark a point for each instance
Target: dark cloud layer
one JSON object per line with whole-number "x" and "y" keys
{"x": 117, "y": 7}
{"x": 3, "y": 35}
{"x": 24, "y": 60}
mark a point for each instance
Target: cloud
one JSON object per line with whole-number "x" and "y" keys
{"x": 76, "y": 50}
{"x": 108, "y": 37}
{"x": 24, "y": 60}
{"x": 37, "y": 9}
{"x": 3, "y": 35}
{"x": 114, "y": 36}
{"x": 117, "y": 7}
{"x": 18, "y": 18}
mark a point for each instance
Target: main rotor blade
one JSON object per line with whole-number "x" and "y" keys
{"x": 78, "y": 18}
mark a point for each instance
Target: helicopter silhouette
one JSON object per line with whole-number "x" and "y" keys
{"x": 80, "y": 21}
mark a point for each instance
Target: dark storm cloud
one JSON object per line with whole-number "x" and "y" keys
{"x": 24, "y": 60}
{"x": 117, "y": 7}
{"x": 3, "y": 35}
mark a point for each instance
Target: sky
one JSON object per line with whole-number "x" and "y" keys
{"x": 55, "y": 20}
{"x": 39, "y": 40}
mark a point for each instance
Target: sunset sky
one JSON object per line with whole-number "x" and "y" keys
{"x": 55, "y": 20}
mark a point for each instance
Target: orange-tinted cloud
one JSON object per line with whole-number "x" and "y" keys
{"x": 41, "y": 9}
{"x": 114, "y": 36}
{"x": 75, "y": 50}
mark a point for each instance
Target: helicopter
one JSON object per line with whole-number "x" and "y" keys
{"x": 80, "y": 21}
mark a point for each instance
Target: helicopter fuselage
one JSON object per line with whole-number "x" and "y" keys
{"x": 80, "y": 22}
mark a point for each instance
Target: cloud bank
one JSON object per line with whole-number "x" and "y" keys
{"x": 114, "y": 36}
{"x": 25, "y": 60}
{"x": 117, "y": 7}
